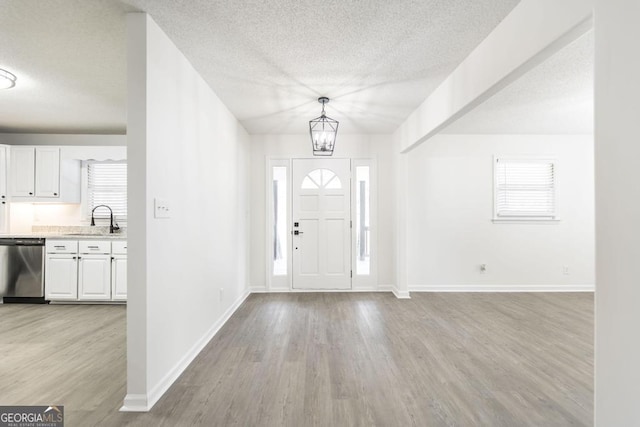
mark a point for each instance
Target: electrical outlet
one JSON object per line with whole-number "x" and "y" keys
{"x": 161, "y": 208}
{"x": 565, "y": 269}
{"x": 483, "y": 268}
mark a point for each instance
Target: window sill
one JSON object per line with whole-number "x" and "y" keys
{"x": 525, "y": 221}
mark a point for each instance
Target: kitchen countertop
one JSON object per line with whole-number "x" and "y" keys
{"x": 114, "y": 236}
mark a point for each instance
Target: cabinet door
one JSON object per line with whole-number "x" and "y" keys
{"x": 61, "y": 277}
{"x": 94, "y": 277}
{"x": 119, "y": 277}
{"x": 47, "y": 172}
{"x": 22, "y": 171}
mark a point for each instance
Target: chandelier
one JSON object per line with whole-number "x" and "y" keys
{"x": 323, "y": 132}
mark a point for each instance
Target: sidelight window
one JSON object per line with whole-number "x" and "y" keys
{"x": 279, "y": 195}
{"x": 363, "y": 221}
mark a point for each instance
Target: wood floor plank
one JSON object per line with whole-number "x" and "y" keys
{"x": 325, "y": 359}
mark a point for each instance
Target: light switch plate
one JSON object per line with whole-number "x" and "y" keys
{"x": 161, "y": 208}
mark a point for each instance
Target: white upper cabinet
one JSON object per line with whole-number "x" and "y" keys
{"x": 35, "y": 172}
{"x": 47, "y": 172}
{"x": 22, "y": 171}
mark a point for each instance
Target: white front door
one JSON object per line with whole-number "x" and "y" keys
{"x": 321, "y": 224}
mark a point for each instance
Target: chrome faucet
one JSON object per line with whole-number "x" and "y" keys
{"x": 112, "y": 226}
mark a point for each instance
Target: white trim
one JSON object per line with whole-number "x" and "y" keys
{"x": 400, "y": 294}
{"x": 512, "y": 220}
{"x": 502, "y": 288}
{"x": 144, "y": 403}
{"x": 318, "y": 291}
{"x": 135, "y": 403}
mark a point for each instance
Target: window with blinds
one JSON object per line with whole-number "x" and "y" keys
{"x": 107, "y": 185}
{"x": 525, "y": 188}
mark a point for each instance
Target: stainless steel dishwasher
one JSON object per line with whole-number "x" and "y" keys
{"x": 21, "y": 269}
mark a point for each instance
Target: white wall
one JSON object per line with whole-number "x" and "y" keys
{"x": 188, "y": 272}
{"x": 299, "y": 146}
{"x": 450, "y": 211}
{"x": 617, "y": 154}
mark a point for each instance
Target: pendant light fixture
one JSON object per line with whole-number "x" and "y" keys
{"x": 323, "y": 132}
{"x": 7, "y": 79}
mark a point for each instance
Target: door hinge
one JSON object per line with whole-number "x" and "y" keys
{"x": 351, "y": 273}
{"x": 351, "y": 224}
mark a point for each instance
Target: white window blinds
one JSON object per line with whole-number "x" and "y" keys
{"x": 525, "y": 188}
{"x": 107, "y": 185}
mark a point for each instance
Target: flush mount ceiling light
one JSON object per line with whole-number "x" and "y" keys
{"x": 7, "y": 80}
{"x": 323, "y": 132}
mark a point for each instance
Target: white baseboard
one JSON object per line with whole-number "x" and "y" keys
{"x": 135, "y": 403}
{"x": 400, "y": 294}
{"x": 294, "y": 291}
{"x": 263, "y": 290}
{"x": 144, "y": 403}
{"x": 502, "y": 288}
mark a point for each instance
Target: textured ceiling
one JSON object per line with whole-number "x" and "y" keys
{"x": 267, "y": 61}
{"x": 70, "y": 60}
{"x": 556, "y": 97}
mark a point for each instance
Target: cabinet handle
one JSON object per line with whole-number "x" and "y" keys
{"x": 4, "y": 203}
{"x": 79, "y": 257}
{"x": 93, "y": 247}
{"x": 60, "y": 247}
{"x": 55, "y": 194}
{"x": 30, "y": 193}
{"x": 74, "y": 257}
{"x": 3, "y": 196}
{"x": 112, "y": 258}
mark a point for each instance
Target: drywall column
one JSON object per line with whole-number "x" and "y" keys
{"x": 401, "y": 287}
{"x": 189, "y": 154}
{"x": 617, "y": 153}
{"x": 136, "y": 399}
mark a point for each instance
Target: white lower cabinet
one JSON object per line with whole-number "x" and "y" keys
{"x": 86, "y": 270}
{"x": 61, "y": 277}
{"x": 94, "y": 277}
{"x": 119, "y": 277}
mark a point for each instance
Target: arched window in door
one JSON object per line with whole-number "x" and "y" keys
{"x": 321, "y": 178}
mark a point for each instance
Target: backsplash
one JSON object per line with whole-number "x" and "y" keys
{"x": 76, "y": 229}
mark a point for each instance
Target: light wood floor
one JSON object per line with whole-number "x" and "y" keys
{"x": 71, "y": 355}
{"x": 326, "y": 359}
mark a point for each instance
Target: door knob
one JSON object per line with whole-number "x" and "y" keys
{"x": 296, "y": 232}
